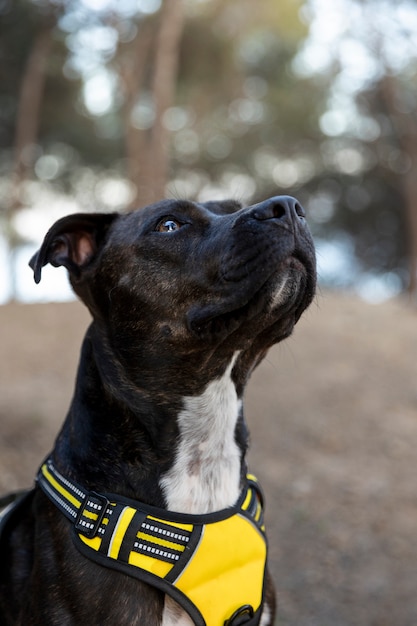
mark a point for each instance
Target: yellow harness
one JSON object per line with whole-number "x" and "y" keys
{"x": 213, "y": 565}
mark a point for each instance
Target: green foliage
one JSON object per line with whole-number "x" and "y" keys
{"x": 17, "y": 23}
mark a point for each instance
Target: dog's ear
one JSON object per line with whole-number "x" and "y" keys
{"x": 72, "y": 241}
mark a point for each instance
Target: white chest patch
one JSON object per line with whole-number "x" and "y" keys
{"x": 206, "y": 473}
{"x": 205, "y": 476}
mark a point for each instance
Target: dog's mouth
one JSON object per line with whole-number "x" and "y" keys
{"x": 211, "y": 321}
{"x": 280, "y": 293}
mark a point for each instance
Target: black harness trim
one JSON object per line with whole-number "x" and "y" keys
{"x": 213, "y": 565}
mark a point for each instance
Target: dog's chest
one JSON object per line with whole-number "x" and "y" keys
{"x": 205, "y": 476}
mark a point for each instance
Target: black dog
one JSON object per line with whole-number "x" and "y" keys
{"x": 144, "y": 513}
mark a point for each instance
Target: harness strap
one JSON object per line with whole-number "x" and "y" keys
{"x": 212, "y": 564}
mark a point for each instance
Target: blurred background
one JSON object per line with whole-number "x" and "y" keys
{"x": 110, "y": 104}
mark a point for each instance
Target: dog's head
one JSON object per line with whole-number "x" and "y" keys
{"x": 179, "y": 279}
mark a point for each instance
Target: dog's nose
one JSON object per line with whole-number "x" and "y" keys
{"x": 284, "y": 208}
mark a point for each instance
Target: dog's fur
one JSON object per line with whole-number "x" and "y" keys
{"x": 186, "y": 299}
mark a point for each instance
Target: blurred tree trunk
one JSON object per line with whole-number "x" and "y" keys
{"x": 147, "y": 150}
{"x": 163, "y": 92}
{"x": 406, "y": 131}
{"x": 132, "y": 75}
{"x": 29, "y": 107}
{"x": 26, "y": 133}
{"x": 410, "y": 195}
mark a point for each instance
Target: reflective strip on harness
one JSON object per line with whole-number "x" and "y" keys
{"x": 213, "y": 565}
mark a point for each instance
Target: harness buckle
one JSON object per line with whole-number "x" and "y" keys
{"x": 241, "y": 616}
{"x": 91, "y": 513}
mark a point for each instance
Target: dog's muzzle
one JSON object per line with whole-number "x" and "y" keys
{"x": 266, "y": 263}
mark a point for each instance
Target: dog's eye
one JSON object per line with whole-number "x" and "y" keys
{"x": 168, "y": 225}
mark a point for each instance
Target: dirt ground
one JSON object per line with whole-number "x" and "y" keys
{"x": 333, "y": 417}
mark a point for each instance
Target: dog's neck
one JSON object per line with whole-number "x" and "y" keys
{"x": 186, "y": 455}
{"x": 206, "y": 474}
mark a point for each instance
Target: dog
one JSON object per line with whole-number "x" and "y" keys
{"x": 186, "y": 299}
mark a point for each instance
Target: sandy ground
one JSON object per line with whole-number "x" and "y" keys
{"x": 333, "y": 417}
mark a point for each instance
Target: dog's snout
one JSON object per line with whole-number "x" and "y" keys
{"x": 285, "y": 208}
